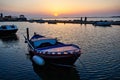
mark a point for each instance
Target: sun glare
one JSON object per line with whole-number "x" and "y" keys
{"x": 56, "y": 14}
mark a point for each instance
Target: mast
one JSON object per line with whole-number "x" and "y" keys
{"x": 27, "y": 31}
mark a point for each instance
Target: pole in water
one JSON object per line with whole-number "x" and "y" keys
{"x": 27, "y": 29}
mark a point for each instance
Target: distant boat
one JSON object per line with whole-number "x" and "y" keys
{"x": 52, "y": 22}
{"x": 102, "y": 23}
{"x": 8, "y": 29}
{"x": 41, "y": 21}
{"x": 50, "y": 51}
{"x": 31, "y": 21}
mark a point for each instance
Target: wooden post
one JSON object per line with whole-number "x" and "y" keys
{"x": 27, "y": 31}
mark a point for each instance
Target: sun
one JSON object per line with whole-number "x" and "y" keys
{"x": 55, "y": 14}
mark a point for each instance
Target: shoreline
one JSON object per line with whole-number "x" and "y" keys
{"x": 65, "y": 21}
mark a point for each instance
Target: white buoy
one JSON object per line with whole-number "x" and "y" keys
{"x": 38, "y": 60}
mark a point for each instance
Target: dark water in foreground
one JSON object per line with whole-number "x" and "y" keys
{"x": 100, "y": 59}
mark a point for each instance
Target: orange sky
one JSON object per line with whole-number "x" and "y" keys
{"x": 61, "y": 7}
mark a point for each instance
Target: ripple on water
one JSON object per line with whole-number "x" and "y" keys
{"x": 102, "y": 66}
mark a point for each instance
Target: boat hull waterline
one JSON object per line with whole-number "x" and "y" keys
{"x": 8, "y": 32}
{"x": 68, "y": 59}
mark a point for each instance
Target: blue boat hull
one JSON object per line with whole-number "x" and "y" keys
{"x": 103, "y": 23}
{"x": 8, "y": 32}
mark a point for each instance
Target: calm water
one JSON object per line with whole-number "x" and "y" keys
{"x": 100, "y": 59}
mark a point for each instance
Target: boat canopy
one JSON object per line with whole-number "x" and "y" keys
{"x": 37, "y": 42}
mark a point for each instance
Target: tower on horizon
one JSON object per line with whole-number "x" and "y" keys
{"x": 1, "y": 15}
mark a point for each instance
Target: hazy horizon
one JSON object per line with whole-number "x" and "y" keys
{"x": 60, "y": 8}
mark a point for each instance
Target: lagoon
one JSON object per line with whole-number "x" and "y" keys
{"x": 100, "y": 47}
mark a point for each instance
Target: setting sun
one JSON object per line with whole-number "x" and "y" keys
{"x": 60, "y": 7}
{"x": 56, "y": 14}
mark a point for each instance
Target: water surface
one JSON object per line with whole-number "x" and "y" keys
{"x": 100, "y": 47}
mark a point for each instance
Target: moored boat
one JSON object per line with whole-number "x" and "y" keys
{"x": 52, "y": 51}
{"x": 52, "y": 22}
{"x": 102, "y": 23}
{"x": 8, "y": 29}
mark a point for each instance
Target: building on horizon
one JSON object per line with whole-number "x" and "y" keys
{"x": 12, "y": 18}
{"x": 22, "y": 18}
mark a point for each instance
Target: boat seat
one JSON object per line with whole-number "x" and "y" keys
{"x": 43, "y": 42}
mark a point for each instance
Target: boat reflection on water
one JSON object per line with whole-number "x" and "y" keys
{"x": 9, "y": 38}
{"x": 52, "y": 72}
{"x": 55, "y": 73}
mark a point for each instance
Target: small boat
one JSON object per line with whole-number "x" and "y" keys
{"x": 49, "y": 51}
{"x": 40, "y": 21}
{"x": 52, "y": 22}
{"x": 8, "y": 29}
{"x": 102, "y": 23}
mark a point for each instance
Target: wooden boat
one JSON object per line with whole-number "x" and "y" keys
{"x": 8, "y": 29}
{"x": 49, "y": 51}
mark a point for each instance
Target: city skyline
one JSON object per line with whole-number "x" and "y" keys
{"x": 60, "y": 8}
